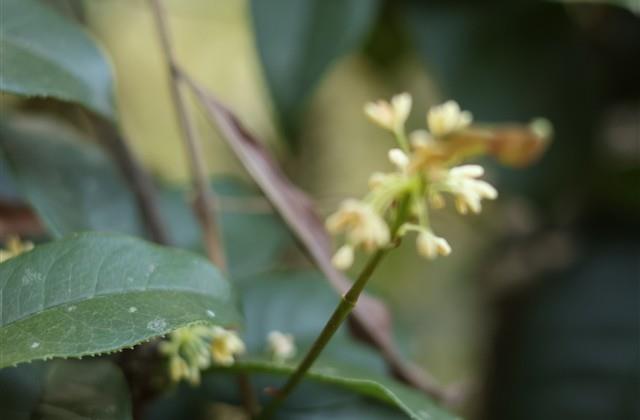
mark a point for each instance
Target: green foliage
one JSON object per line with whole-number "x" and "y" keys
{"x": 71, "y": 183}
{"x": 44, "y": 55}
{"x": 280, "y": 301}
{"x": 349, "y": 377}
{"x": 413, "y": 403}
{"x": 299, "y": 40}
{"x": 74, "y": 186}
{"x": 65, "y": 389}
{"x": 93, "y": 293}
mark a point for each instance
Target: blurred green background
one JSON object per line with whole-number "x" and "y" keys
{"x": 536, "y": 313}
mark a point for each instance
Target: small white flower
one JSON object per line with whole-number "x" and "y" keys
{"x": 469, "y": 191}
{"x": 281, "y": 346}
{"x": 399, "y": 158}
{"x": 447, "y": 118}
{"x": 421, "y": 139}
{"x": 377, "y": 179}
{"x": 343, "y": 258}
{"x": 361, "y": 225}
{"x": 430, "y": 245}
{"x": 436, "y": 200}
{"x": 401, "y": 105}
{"x": 225, "y": 345}
{"x": 391, "y": 116}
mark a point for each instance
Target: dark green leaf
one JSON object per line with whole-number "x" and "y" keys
{"x": 299, "y": 303}
{"x": 413, "y": 403}
{"x": 253, "y": 236}
{"x": 74, "y": 187}
{"x": 71, "y": 183}
{"x": 632, "y": 5}
{"x": 45, "y": 55}
{"x": 93, "y": 293}
{"x": 299, "y": 40}
{"x": 64, "y": 390}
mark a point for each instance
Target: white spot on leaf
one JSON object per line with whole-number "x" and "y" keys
{"x": 71, "y": 308}
{"x": 210, "y": 313}
{"x": 150, "y": 269}
{"x": 35, "y": 345}
{"x": 157, "y": 325}
{"x": 133, "y": 309}
{"x": 30, "y": 276}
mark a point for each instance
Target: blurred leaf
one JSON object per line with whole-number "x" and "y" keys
{"x": 74, "y": 187}
{"x": 279, "y": 300}
{"x": 568, "y": 348}
{"x": 371, "y": 317}
{"x": 314, "y": 400}
{"x": 299, "y": 40}
{"x": 516, "y": 61}
{"x": 64, "y": 389}
{"x": 71, "y": 183}
{"x": 348, "y": 381}
{"x": 253, "y": 236}
{"x": 632, "y": 5}
{"x": 413, "y": 403}
{"x": 299, "y": 303}
{"x": 94, "y": 293}
{"x": 45, "y": 55}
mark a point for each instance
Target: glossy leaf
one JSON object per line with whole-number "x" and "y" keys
{"x": 93, "y": 293}
{"x": 44, "y": 55}
{"x": 64, "y": 389}
{"x": 299, "y": 40}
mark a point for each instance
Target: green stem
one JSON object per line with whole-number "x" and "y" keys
{"x": 346, "y": 305}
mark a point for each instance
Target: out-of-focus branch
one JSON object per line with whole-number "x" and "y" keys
{"x": 204, "y": 204}
{"x": 204, "y": 201}
{"x": 141, "y": 184}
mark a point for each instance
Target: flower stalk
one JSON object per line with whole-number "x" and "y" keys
{"x": 344, "y": 308}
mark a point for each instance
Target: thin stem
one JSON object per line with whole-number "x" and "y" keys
{"x": 141, "y": 184}
{"x": 204, "y": 203}
{"x": 344, "y": 308}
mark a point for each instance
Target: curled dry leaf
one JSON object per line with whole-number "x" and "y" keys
{"x": 371, "y": 320}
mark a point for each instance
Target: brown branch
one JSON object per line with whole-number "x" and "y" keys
{"x": 141, "y": 185}
{"x": 204, "y": 202}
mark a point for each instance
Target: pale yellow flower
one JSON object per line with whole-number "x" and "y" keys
{"x": 281, "y": 346}
{"x": 447, "y": 118}
{"x": 377, "y": 179}
{"x": 399, "y": 158}
{"x": 430, "y": 245}
{"x": 469, "y": 191}
{"x": 14, "y": 247}
{"x": 225, "y": 345}
{"x": 361, "y": 225}
{"x": 188, "y": 352}
{"x": 391, "y": 116}
{"x": 343, "y": 258}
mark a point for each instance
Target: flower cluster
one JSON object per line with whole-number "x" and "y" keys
{"x": 192, "y": 349}
{"x": 426, "y": 170}
{"x": 14, "y": 247}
